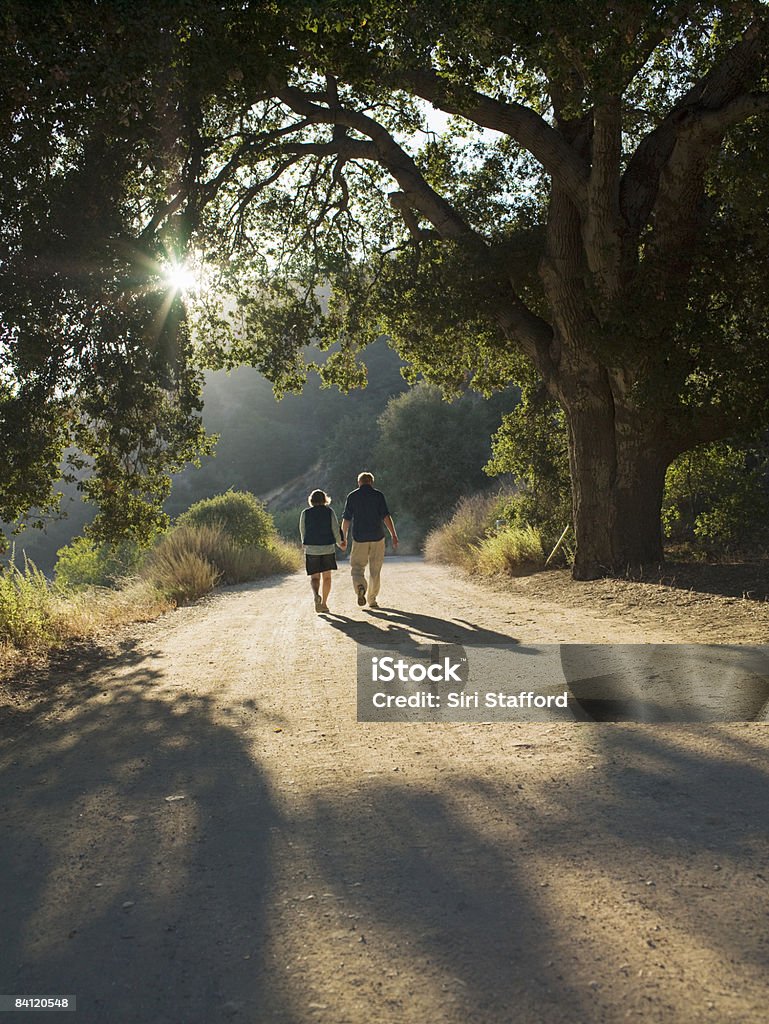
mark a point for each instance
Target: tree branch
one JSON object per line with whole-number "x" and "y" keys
{"x": 390, "y": 155}
{"x": 532, "y": 332}
{"x": 603, "y": 227}
{"x": 718, "y": 100}
{"x": 251, "y": 146}
{"x": 524, "y": 125}
{"x": 717, "y": 121}
{"x": 167, "y": 210}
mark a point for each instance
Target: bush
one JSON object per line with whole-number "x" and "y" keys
{"x": 242, "y": 517}
{"x": 281, "y": 557}
{"x": 287, "y": 522}
{"x": 84, "y": 563}
{"x": 456, "y": 541}
{"x": 513, "y": 551}
{"x": 717, "y": 497}
{"x": 26, "y": 608}
{"x": 190, "y": 561}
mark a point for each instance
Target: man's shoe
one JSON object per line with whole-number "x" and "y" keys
{"x": 361, "y": 595}
{"x": 318, "y": 603}
{"x": 373, "y": 604}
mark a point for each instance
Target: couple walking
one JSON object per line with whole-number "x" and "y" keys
{"x": 366, "y": 510}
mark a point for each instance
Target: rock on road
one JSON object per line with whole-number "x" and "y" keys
{"x": 197, "y": 830}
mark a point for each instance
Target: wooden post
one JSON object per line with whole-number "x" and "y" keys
{"x": 560, "y": 541}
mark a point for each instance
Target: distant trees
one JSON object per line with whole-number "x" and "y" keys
{"x": 263, "y": 444}
{"x": 348, "y": 450}
{"x": 425, "y": 452}
{"x": 431, "y": 452}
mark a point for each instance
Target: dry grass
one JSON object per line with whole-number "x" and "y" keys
{"x": 191, "y": 560}
{"x": 91, "y": 613}
{"x": 187, "y": 563}
{"x": 513, "y": 551}
{"x": 470, "y": 540}
{"x": 456, "y": 542}
{"x": 34, "y": 618}
{"x": 26, "y": 609}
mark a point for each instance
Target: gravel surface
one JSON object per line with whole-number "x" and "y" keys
{"x": 196, "y": 829}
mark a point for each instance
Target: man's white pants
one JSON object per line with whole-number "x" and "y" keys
{"x": 367, "y": 553}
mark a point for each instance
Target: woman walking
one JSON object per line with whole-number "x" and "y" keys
{"x": 320, "y": 533}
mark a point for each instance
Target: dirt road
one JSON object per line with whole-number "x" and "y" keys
{"x": 197, "y": 830}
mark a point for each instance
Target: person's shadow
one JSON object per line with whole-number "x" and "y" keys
{"x": 410, "y": 632}
{"x": 455, "y": 631}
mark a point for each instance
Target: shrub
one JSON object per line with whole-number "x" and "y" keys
{"x": 189, "y": 561}
{"x": 287, "y": 522}
{"x": 26, "y": 607}
{"x": 515, "y": 550}
{"x": 85, "y": 563}
{"x": 280, "y": 557}
{"x": 456, "y": 541}
{"x": 717, "y": 496}
{"x": 243, "y": 518}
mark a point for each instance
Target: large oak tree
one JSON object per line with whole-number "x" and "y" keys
{"x": 604, "y": 227}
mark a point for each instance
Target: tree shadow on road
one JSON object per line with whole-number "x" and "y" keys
{"x": 146, "y": 907}
{"x": 459, "y": 884}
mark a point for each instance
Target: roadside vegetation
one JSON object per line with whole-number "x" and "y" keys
{"x": 479, "y": 539}
{"x": 99, "y": 586}
{"x": 715, "y": 506}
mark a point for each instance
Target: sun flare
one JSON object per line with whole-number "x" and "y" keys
{"x": 179, "y": 278}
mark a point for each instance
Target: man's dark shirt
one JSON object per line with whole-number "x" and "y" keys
{"x": 367, "y": 508}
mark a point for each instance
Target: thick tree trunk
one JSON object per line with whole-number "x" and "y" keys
{"x": 617, "y": 455}
{"x": 618, "y": 475}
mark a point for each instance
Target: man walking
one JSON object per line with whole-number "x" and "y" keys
{"x": 367, "y": 510}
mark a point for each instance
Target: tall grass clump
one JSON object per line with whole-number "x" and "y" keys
{"x": 242, "y": 517}
{"x": 183, "y": 565}
{"x": 35, "y": 617}
{"x": 456, "y": 542}
{"x": 479, "y": 538}
{"x": 512, "y": 551}
{"x": 27, "y": 620}
{"x": 189, "y": 561}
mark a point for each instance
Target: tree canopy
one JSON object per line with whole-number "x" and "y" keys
{"x": 594, "y": 215}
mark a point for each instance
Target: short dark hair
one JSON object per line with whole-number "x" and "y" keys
{"x": 319, "y": 498}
